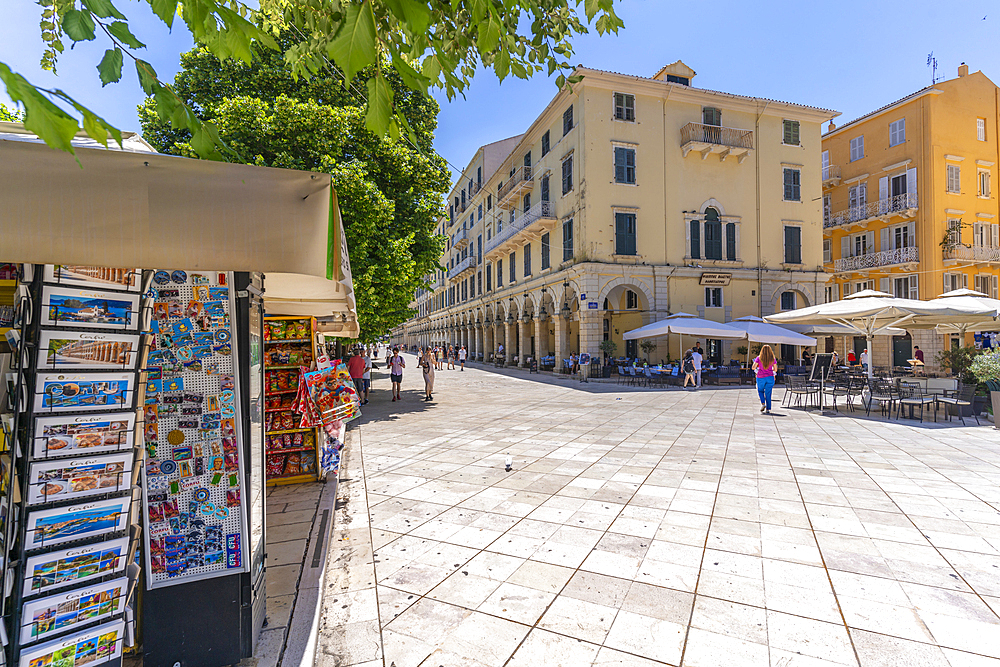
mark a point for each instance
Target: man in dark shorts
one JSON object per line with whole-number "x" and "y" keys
{"x": 396, "y": 366}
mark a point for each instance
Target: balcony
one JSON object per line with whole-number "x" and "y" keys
{"x": 973, "y": 253}
{"x": 460, "y": 239}
{"x": 904, "y": 205}
{"x": 528, "y": 226}
{"x": 831, "y": 175}
{"x": 466, "y": 265}
{"x": 709, "y": 139}
{"x": 877, "y": 260}
{"x": 520, "y": 181}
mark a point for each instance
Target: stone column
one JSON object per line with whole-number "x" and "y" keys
{"x": 509, "y": 350}
{"x": 561, "y": 327}
{"x": 488, "y": 345}
{"x": 541, "y": 337}
{"x": 479, "y": 341}
{"x": 591, "y": 333}
{"x": 525, "y": 346}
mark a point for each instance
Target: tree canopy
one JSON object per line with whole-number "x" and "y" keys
{"x": 425, "y": 43}
{"x": 10, "y": 115}
{"x": 390, "y": 192}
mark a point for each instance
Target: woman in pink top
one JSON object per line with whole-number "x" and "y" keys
{"x": 765, "y": 366}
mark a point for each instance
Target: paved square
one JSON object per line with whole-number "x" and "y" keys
{"x": 646, "y": 528}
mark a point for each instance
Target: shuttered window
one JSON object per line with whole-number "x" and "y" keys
{"x": 713, "y": 234}
{"x": 792, "y": 183}
{"x": 545, "y": 251}
{"x": 545, "y": 188}
{"x": 897, "y": 132}
{"x": 711, "y": 116}
{"x": 624, "y": 107}
{"x": 489, "y": 273}
{"x": 513, "y": 268}
{"x": 499, "y": 273}
{"x": 793, "y": 244}
{"x": 954, "y": 178}
{"x": 984, "y": 184}
{"x": 981, "y": 129}
{"x": 567, "y": 174}
{"x": 568, "y": 240}
{"x": 790, "y": 133}
{"x": 624, "y": 233}
{"x": 695, "y": 239}
{"x": 568, "y": 120}
{"x": 545, "y": 143}
{"x": 625, "y": 165}
{"x": 527, "y": 260}
{"x": 731, "y": 241}
{"x": 857, "y": 148}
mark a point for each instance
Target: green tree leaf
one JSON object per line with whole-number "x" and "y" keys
{"x": 414, "y": 13}
{"x": 165, "y": 9}
{"x": 124, "y": 35}
{"x": 79, "y": 26}
{"x": 354, "y": 48}
{"x": 103, "y": 9}
{"x": 110, "y": 67}
{"x": 53, "y": 125}
{"x": 379, "y": 105}
{"x": 147, "y": 76}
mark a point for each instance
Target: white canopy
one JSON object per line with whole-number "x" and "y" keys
{"x": 687, "y": 325}
{"x": 971, "y": 299}
{"x": 869, "y": 312}
{"x": 759, "y": 331}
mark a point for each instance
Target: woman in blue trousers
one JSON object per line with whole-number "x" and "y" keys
{"x": 765, "y": 366}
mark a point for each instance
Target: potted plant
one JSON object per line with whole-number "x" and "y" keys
{"x": 985, "y": 367}
{"x": 741, "y": 353}
{"x": 608, "y": 348}
{"x": 647, "y": 347}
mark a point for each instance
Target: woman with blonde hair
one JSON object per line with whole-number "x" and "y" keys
{"x": 427, "y": 362}
{"x": 765, "y": 366}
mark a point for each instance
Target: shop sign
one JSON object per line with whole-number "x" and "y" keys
{"x": 716, "y": 279}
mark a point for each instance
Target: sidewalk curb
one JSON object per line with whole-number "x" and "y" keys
{"x": 303, "y": 629}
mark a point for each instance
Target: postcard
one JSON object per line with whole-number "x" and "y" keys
{"x": 89, "y": 308}
{"x": 93, "y": 646}
{"x": 129, "y": 280}
{"x": 64, "y": 524}
{"x": 50, "y": 481}
{"x": 63, "y": 392}
{"x": 76, "y": 434}
{"x": 83, "y": 349}
{"x": 42, "y": 618}
{"x": 67, "y": 567}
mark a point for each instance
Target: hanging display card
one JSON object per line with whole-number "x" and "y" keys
{"x": 77, "y": 350}
{"x": 68, "y": 567}
{"x": 64, "y": 524}
{"x": 193, "y": 475}
{"x": 47, "y": 617}
{"x": 75, "y": 435}
{"x": 64, "y": 479}
{"x": 92, "y": 647}
{"x": 81, "y": 392}
{"x": 93, "y": 276}
{"x": 70, "y": 307}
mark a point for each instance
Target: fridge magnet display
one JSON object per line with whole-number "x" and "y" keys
{"x": 93, "y": 276}
{"x": 89, "y": 308}
{"x": 64, "y": 479}
{"x": 43, "y": 618}
{"x": 93, "y": 646}
{"x": 63, "y": 392}
{"x": 77, "y": 434}
{"x": 58, "y": 350}
{"x": 69, "y": 567}
{"x": 47, "y": 527}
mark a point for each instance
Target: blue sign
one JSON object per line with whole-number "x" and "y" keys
{"x": 592, "y": 305}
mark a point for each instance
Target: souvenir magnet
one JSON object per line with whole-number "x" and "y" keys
{"x": 222, "y": 336}
{"x": 175, "y": 437}
{"x": 161, "y": 277}
{"x": 173, "y": 384}
{"x": 201, "y": 495}
{"x": 223, "y": 349}
{"x": 179, "y": 277}
{"x": 168, "y": 467}
{"x": 183, "y": 327}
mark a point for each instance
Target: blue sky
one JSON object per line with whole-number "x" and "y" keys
{"x": 852, "y": 56}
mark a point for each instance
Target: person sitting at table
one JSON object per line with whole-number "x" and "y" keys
{"x": 835, "y": 360}
{"x": 918, "y": 354}
{"x": 851, "y": 359}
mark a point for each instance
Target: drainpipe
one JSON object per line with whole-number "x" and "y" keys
{"x": 760, "y": 272}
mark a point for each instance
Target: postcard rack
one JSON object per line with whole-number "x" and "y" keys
{"x": 68, "y": 477}
{"x": 292, "y": 452}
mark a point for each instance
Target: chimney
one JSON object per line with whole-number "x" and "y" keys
{"x": 963, "y": 70}
{"x": 831, "y": 127}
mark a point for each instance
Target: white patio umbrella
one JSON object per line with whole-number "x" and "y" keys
{"x": 969, "y": 298}
{"x": 686, "y": 325}
{"x": 869, "y": 312}
{"x": 759, "y": 331}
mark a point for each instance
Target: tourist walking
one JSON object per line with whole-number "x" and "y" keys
{"x": 462, "y": 354}
{"x": 451, "y": 357}
{"x": 765, "y": 366}
{"x": 356, "y": 367}
{"x": 696, "y": 357}
{"x": 367, "y": 376}
{"x": 687, "y": 365}
{"x": 428, "y": 367}
{"x": 396, "y": 366}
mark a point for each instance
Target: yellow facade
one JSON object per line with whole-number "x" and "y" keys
{"x": 668, "y": 184}
{"x": 911, "y": 210}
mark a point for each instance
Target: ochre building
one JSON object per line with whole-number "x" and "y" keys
{"x": 628, "y": 199}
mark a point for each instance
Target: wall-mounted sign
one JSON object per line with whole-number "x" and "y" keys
{"x": 716, "y": 279}
{"x": 592, "y": 305}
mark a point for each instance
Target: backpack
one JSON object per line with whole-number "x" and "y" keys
{"x": 689, "y": 365}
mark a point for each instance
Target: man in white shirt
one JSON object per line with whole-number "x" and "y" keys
{"x": 461, "y": 356}
{"x": 864, "y": 359}
{"x": 696, "y": 357}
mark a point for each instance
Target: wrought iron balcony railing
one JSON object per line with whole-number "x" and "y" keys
{"x": 543, "y": 209}
{"x": 831, "y": 172}
{"x": 521, "y": 175}
{"x": 975, "y": 253}
{"x": 874, "y": 260}
{"x": 464, "y": 265}
{"x": 900, "y": 204}
{"x": 716, "y": 134}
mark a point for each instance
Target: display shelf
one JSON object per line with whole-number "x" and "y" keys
{"x": 298, "y": 325}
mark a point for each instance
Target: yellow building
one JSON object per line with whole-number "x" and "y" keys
{"x": 907, "y": 202}
{"x": 629, "y": 198}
